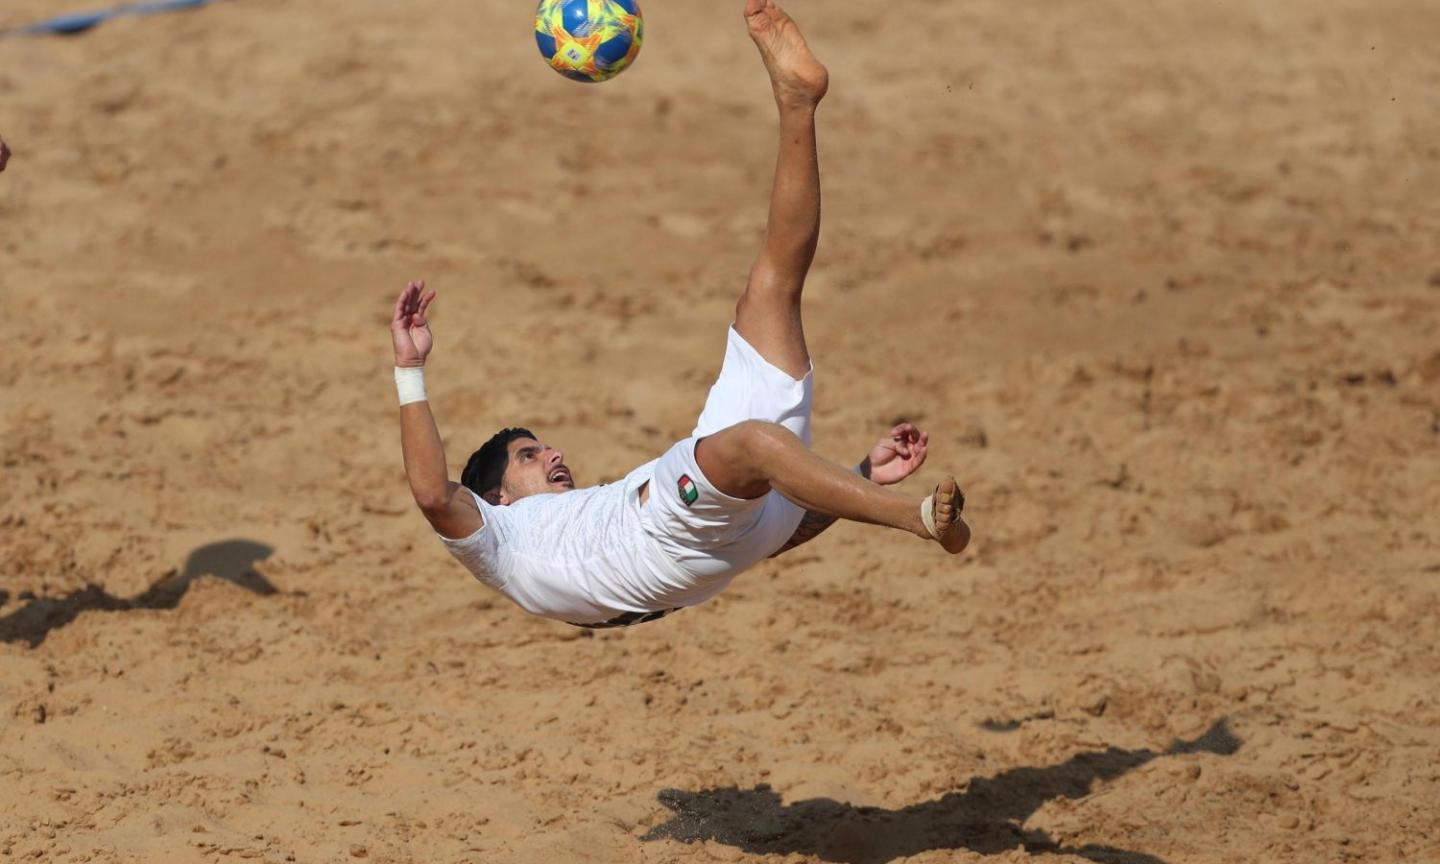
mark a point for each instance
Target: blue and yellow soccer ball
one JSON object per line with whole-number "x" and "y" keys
{"x": 589, "y": 40}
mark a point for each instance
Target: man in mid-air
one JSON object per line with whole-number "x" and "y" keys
{"x": 742, "y": 488}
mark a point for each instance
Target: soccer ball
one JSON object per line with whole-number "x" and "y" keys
{"x": 589, "y": 40}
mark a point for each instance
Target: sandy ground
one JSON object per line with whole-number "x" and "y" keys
{"x": 1161, "y": 279}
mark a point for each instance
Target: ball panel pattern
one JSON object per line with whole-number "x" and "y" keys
{"x": 547, "y": 44}
{"x": 589, "y": 40}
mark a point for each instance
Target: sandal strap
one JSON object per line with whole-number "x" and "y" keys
{"x": 927, "y": 515}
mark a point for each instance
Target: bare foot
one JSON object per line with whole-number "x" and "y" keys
{"x": 798, "y": 78}
{"x": 941, "y": 515}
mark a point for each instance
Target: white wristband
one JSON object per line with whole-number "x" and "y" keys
{"x": 410, "y": 384}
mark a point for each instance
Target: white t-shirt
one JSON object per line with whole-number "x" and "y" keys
{"x": 581, "y": 556}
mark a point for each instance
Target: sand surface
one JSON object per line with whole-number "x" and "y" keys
{"x": 1161, "y": 280}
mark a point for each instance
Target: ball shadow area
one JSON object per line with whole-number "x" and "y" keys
{"x": 985, "y": 818}
{"x": 231, "y": 560}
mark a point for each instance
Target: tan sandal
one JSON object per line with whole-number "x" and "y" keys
{"x": 954, "y": 535}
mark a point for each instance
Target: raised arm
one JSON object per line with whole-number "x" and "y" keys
{"x": 450, "y": 509}
{"x": 893, "y": 458}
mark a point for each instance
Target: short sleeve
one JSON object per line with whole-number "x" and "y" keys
{"x": 480, "y": 552}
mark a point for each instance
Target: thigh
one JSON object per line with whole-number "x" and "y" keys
{"x": 694, "y": 506}
{"x": 768, "y": 316}
{"x": 707, "y": 533}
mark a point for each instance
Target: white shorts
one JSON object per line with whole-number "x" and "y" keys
{"x": 706, "y": 533}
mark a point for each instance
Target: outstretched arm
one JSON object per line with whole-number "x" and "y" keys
{"x": 893, "y": 458}
{"x": 449, "y": 508}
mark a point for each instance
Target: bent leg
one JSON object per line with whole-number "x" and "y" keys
{"x": 752, "y": 459}
{"x": 768, "y": 314}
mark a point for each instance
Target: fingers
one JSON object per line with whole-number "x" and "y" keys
{"x": 410, "y": 297}
{"x": 909, "y": 443}
{"x": 905, "y": 430}
{"x": 410, "y": 306}
{"x": 401, "y": 316}
{"x": 904, "y": 437}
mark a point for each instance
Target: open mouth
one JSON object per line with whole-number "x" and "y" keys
{"x": 561, "y": 475}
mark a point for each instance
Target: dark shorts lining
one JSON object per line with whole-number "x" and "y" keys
{"x": 629, "y": 619}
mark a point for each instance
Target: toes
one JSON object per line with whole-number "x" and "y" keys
{"x": 944, "y": 512}
{"x": 948, "y": 501}
{"x": 946, "y": 498}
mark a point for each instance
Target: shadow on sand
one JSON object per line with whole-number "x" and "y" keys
{"x": 231, "y": 560}
{"x": 985, "y": 818}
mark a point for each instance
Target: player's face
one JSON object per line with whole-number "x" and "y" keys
{"x": 534, "y": 469}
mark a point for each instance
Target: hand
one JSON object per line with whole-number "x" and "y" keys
{"x": 897, "y": 456}
{"x": 409, "y": 328}
{"x": 4, "y": 154}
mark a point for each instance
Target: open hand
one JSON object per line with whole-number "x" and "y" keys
{"x": 898, "y": 455}
{"x": 409, "y": 328}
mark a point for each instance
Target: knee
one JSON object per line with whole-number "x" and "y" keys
{"x": 771, "y": 286}
{"x": 740, "y": 460}
{"x": 763, "y": 438}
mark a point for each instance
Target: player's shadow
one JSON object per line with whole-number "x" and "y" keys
{"x": 985, "y": 818}
{"x": 231, "y": 560}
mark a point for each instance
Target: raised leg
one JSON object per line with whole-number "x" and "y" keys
{"x": 768, "y": 314}
{"x": 753, "y": 458}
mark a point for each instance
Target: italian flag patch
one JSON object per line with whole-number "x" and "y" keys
{"x": 689, "y": 492}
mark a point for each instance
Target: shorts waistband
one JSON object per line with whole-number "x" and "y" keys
{"x": 629, "y": 619}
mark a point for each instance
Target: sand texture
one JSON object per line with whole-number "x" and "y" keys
{"x": 1162, "y": 280}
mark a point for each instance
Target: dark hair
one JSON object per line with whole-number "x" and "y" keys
{"x": 487, "y": 465}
